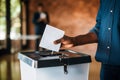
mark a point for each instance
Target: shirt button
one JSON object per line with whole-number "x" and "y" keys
{"x": 109, "y": 28}
{"x": 111, "y": 11}
{"x": 108, "y": 47}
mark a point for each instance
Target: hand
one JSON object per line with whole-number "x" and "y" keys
{"x": 66, "y": 42}
{"x": 40, "y": 19}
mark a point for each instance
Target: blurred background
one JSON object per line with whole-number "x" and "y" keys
{"x": 75, "y": 17}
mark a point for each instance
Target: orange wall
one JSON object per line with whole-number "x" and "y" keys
{"x": 75, "y": 17}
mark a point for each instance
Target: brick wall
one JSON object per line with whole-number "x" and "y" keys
{"x": 75, "y": 17}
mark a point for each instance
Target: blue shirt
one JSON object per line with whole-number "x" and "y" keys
{"x": 107, "y": 29}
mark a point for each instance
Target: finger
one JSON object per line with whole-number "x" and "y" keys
{"x": 66, "y": 42}
{"x": 66, "y": 46}
{"x": 58, "y": 41}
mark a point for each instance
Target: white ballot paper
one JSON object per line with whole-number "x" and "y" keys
{"x": 49, "y": 36}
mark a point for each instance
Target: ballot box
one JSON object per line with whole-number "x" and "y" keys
{"x": 48, "y": 65}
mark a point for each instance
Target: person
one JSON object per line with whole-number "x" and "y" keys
{"x": 107, "y": 34}
{"x": 40, "y": 19}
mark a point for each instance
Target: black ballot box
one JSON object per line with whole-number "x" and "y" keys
{"x": 48, "y": 65}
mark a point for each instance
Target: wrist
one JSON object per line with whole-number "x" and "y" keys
{"x": 74, "y": 41}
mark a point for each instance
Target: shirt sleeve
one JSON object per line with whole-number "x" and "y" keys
{"x": 96, "y": 28}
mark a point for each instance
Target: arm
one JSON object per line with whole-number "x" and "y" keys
{"x": 37, "y": 19}
{"x": 46, "y": 20}
{"x": 85, "y": 39}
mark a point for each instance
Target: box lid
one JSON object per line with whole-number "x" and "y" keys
{"x": 51, "y": 59}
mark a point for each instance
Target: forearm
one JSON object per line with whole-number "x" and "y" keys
{"x": 85, "y": 39}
